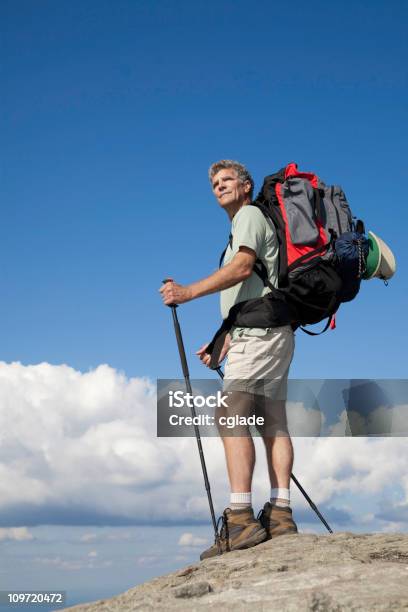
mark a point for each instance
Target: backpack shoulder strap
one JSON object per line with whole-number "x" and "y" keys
{"x": 229, "y": 244}
{"x": 260, "y": 269}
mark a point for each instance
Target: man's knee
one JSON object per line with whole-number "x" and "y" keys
{"x": 232, "y": 419}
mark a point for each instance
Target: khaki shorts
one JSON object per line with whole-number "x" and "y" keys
{"x": 261, "y": 362}
{"x": 255, "y": 378}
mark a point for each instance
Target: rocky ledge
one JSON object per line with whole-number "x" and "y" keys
{"x": 291, "y": 573}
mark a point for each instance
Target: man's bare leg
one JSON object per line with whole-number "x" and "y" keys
{"x": 240, "y": 458}
{"x": 243, "y": 529}
{"x": 279, "y": 454}
{"x": 276, "y": 517}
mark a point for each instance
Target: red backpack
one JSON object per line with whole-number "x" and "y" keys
{"x": 322, "y": 250}
{"x": 322, "y": 253}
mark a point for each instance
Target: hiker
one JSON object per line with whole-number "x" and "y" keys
{"x": 253, "y": 354}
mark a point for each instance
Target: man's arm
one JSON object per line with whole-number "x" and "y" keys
{"x": 237, "y": 270}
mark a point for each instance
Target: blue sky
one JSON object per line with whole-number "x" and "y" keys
{"x": 112, "y": 113}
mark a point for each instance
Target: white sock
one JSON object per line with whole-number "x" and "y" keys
{"x": 280, "y": 498}
{"x": 238, "y": 501}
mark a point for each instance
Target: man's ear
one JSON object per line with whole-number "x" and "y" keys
{"x": 247, "y": 186}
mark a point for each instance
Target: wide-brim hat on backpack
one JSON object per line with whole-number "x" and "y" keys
{"x": 380, "y": 259}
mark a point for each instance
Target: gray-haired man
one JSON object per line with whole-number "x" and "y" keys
{"x": 253, "y": 354}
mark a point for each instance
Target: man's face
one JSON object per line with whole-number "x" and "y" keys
{"x": 229, "y": 190}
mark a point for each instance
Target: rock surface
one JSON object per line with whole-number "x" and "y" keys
{"x": 291, "y": 573}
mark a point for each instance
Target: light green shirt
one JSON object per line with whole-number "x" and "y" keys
{"x": 251, "y": 229}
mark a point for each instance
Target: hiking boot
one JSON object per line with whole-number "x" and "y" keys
{"x": 276, "y": 521}
{"x": 240, "y": 529}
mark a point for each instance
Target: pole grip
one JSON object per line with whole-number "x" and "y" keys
{"x": 179, "y": 339}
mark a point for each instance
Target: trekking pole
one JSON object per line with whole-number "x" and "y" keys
{"x": 186, "y": 374}
{"x": 297, "y": 483}
{"x": 312, "y": 505}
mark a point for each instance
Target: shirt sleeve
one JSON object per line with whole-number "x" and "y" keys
{"x": 249, "y": 229}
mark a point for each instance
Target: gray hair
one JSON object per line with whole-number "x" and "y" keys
{"x": 225, "y": 164}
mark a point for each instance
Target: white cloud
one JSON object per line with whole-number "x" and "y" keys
{"x": 353, "y": 465}
{"x": 73, "y": 564}
{"x": 117, "y": 535}
{"x": 399, "y": 420}
{"x": 304, "y": 421}
{"x": 88, "y": 537}
{"x": 188, "y": 539}
{"x": 73, "y": 439}
{"x": 77, "y": 445}
{"x": 15, "y": 533}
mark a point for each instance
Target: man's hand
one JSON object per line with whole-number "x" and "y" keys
{"x": 172, "y": 293}
{"x": 206, "y": 358}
